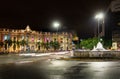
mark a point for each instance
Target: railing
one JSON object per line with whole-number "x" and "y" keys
{"x": 96, "y": 54}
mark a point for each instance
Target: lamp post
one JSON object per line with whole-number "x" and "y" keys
{"x": 99, "y": 16}
{"x": 56, "y": 25}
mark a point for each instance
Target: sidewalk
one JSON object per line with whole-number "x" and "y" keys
{"x": 43, "y": 54}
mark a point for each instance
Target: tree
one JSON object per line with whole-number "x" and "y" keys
{"x": 9, "y": 42}
{"x": 14, "y": 44}
{"x": 23, "y": 43}
{"x": 42, "y": 44}
{"x": 18, "y": 44}
{"x": 51, "y": 44}
{"x": 1, "y": 45}
{"x": 5, "y": 44}
{"x": 47, "y": 45}
{"x": 89, "y": 43}
{"x": 56, "y": 45}
{"x": 38, "y": 44}
{"x": 107, "y": 43}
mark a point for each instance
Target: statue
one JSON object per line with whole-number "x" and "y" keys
{"x": 99, "y": 47}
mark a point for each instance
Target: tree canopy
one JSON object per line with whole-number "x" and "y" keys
{"x": 89, "y": 43}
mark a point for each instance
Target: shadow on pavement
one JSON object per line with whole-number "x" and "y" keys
{"x": 21, "y": 72}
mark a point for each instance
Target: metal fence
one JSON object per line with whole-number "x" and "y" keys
{"x": 96, "y": 54}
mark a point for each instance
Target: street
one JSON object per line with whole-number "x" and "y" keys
{"x": 50, "y": 67}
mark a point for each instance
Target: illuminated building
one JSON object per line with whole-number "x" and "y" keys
{"x": 113, "y": 23}
{"x": 27, "y": 40}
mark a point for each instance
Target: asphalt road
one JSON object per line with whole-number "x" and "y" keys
{"x": 51, "y": 68}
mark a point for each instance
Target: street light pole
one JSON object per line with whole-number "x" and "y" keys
{"x": 98, "y": 29}
{"x": 99, "y": 17}
{"x": 103, "y": 28}
{"x": 57, "y": 29}
{"x": 56, "y": 25}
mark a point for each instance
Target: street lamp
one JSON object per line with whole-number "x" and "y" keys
{"x": 56, "y": 25}
{"x": 99, "y": 16}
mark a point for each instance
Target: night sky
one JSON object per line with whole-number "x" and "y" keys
{"x": 76, "y": 15}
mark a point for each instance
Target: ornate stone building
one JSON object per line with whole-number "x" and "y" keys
{"x": 27, "y": 40}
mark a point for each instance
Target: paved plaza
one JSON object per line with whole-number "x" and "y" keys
{"x": 51, "y": 67}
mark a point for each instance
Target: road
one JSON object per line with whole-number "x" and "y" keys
{"x": 49, "y": 67}
{"x": 31, "y": 57}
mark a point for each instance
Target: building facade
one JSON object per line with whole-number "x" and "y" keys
{"x": 115, "y": 20}
{"x": 27, "y": 40}
{"x": 112, "y": 24}
{"x": 116, "y": 38}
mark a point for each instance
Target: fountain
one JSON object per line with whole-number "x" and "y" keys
{"x": 99, "y": 47}
{"x": 97, "y": 51}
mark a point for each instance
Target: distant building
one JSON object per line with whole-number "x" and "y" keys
{"x": 113, "y": 24}
{"x": 29, "y": 40}
{"x": 116, "y": 37}
{"x": 115, "y": 6}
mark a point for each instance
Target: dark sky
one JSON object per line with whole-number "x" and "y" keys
{"x": 77, "y": 15}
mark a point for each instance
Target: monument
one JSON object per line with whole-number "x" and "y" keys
{"x": 99, "y": 47}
